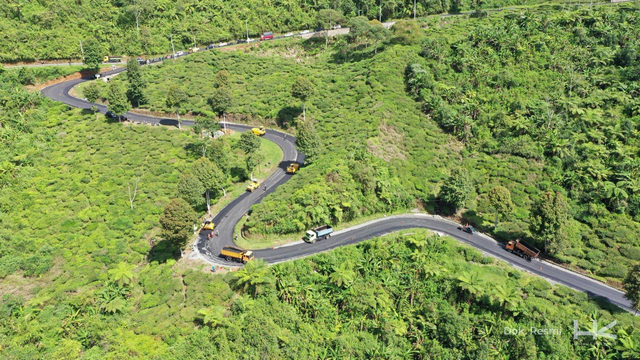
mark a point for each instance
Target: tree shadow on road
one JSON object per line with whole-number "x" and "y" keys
{"x": 287, "y": 116}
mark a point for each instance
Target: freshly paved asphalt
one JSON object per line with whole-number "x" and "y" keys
{"x": 229, "y": 216}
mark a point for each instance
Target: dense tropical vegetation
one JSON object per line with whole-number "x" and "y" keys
{"x": 503, "y": 109}
{"x": 561, "y": 91}
{"x": 42, "y": 30}
{"x": 411, "y": 295}
{"x": 482, "y": 119}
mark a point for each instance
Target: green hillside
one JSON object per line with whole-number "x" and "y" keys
{"x": 43, "y": 30}
{"x": 528, "y": 115}
{"x": 491, "y": 97}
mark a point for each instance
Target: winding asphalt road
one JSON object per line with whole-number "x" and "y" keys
{"x": 225, "y": 221}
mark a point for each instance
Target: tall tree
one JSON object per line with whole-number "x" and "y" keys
{"x": 456, "y": 188}
{"x": 118, "y": 102}
{"x": 407, "y": 32}
{"x": 210, "y": 176}
{"x": 91, "y": 92}
{"x": 500, "y": 200}
{"x": 359, "y": 28}
{"x": 248, "y": 143}
{"x": 326, "y": 18}
{"x": 175, "y": 99}
{"x": 455, "y": 6}
{"x": 549, "y": 217}
{"x": 302, "y": 89}
{"x": 253, "y": 160}
{"x": 177, "y": 220}
{"x": 93, "y": 54}
{"x": 221, "y": 79}
{"x": 378, "y": 34}
{"x": 218, "y": 152}
{"x": 308, "y": 141}
{"x": 138, "y": 8}
{"x": 137, "y": 85}
{"x": 205, "y": 127}
{"x": 221, "y": 101}
{"x": 631, "y": 285}
{"x": 190, "y": 189}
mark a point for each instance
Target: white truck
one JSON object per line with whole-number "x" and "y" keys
{"x": 319, "y": 233}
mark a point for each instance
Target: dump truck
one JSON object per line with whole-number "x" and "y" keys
{"x": 522, "y": 249}
{"x": 237, "y": 254}
{"x": 293, "y": 168}
{"x": 112, "y": 59}
{"x": 319, "y": 233}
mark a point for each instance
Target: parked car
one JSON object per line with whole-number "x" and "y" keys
{"x": 305, "y": 32}
{"x": 223, "y": 44}
{"x": 211, "y": 46}
{"x": 112, "y": 115}
{"x": 267, "y": 36}
{"x": 337, "y": 27}
{"x": 318, "y": 29}
{"x": 288, "y": 34}
{"x": 180, "y": 53}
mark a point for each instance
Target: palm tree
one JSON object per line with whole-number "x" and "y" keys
{"x": 470, "y": 283}
{"x": 507, "y": 297}
{"x": 253, "y": 278}
{"x": 627, "y": 347}
{"x": 114, "y": 306}
{"x": 342, "y": 276}
{"x": 616, "y": 194}
{"x": 122, "y": 274}
{"x": 211, "y": 317}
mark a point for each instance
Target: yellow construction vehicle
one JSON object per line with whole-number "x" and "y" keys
{"x": 237, "y": 254}
{"x": 293, "y": 168}
{"x": 259, "y": 131}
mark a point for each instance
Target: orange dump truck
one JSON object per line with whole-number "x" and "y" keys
{"x": 237, "y": 254}
{"x": 522, "y": 249}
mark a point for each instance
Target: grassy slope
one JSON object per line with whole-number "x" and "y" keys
{"x": 361, "y": 102}
{"x": 357, "y": 103}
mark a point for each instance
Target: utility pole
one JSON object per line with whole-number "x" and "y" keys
{"x": 81, "y": 50}
{"x": 172, "y": 48}
{"x": 380, "y": 12}
{"x": 246, "y": 25}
